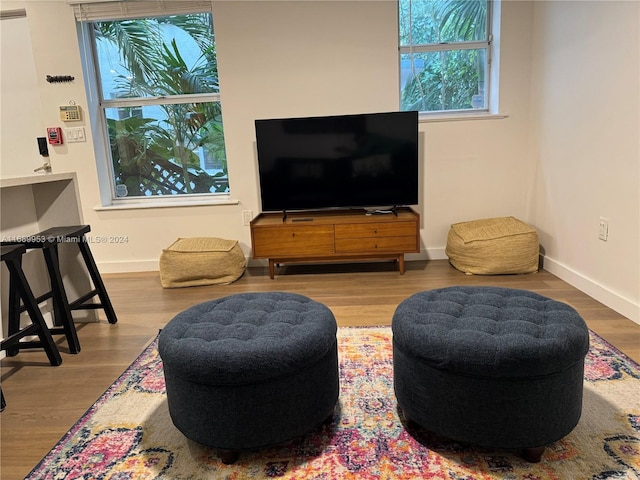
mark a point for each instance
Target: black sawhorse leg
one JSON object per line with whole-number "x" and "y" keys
{"x": 61, "y": 310}
{"x": 12, "y": 256}
{"x": 100, "y": 289}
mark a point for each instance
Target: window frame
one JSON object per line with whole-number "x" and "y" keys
{"x": 491, "y": 77}
{"x": 88, "y": 13}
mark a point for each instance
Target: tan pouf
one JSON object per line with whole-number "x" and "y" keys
{"x": 190, "y": 262}
{"x": 493, "y": 246}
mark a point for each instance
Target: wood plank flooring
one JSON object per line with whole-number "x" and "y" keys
{"x": 43, "y": 402}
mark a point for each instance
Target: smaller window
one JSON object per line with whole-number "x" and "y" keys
{"x": 444, "y": 54}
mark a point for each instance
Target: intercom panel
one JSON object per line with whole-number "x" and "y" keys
{"x": 70, "y": 113}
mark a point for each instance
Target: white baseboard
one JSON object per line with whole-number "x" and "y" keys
{"x": 433, "y": 254}
{"x": 129, "y": 267}
{"x": 611, "y": 299}
{"x": 602, "y": 294}
{"x": 154, "y": 265}
{"x": 624, "y": 306}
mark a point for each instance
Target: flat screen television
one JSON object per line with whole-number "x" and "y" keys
{"x": 342, "y": 161}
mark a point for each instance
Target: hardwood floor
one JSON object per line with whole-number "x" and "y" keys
{"x": 43, "y": 402}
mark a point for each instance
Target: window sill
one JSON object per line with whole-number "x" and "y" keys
{"x": 172, "y": 203}
{"x": 459, "y": 116}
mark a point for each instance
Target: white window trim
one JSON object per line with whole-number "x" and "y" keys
{"x": 459, "y": 116}
{"x": 169, "y": 202}
{"x": 492, "y": 111}
{"x": 172, "y": 99}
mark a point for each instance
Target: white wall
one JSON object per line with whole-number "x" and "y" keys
{"x": 586, "y": 107}
{"x": 285, "y": 59}
{"x": 479, "y": 169}
{"x": 325, "y": 57}
{"x": 21, "y": 107}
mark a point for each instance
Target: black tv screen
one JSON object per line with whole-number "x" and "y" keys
{"x": 345, "y": 161}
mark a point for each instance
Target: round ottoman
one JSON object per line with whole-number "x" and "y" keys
{"x": 494, "y": 367}
{"x": 250, "y": 370}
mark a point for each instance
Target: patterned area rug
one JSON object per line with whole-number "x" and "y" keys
{"x": 128, "y": 433}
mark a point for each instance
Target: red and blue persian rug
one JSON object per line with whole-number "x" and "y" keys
{"x": 128, "y": 434}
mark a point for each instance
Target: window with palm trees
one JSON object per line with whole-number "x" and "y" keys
{"x": 160, "y": 101}
{"x": 445, "y": 54}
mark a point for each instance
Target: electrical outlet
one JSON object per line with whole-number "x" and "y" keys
{"x": 247, "y": 216}
{"x": 603, "y": 229}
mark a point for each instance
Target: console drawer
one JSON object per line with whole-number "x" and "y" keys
{"x": 388, "y": 229}
{"x": 376, "y": 245}
{"x": 293, "y": 241}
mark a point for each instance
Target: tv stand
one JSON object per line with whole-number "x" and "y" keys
{"x": 335, "y": 236}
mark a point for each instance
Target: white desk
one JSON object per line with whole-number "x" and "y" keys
{"x": 34, "y": 203}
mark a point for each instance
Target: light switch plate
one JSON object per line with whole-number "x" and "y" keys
{"x": 74, "y": 135}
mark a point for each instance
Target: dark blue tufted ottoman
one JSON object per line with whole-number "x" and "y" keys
{"x": 494, "y": 367}
{"x": 250, "y": 370}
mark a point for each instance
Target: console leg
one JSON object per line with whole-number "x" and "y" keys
{"x": 272, "y": 269}
{"x": 401, "y": 264}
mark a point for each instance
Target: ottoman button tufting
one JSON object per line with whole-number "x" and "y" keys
{"x": 496, "y": 367}
{"x": 250, "y": 370}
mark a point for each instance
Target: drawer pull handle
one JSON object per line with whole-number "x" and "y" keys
{"x": 375, "y": 231}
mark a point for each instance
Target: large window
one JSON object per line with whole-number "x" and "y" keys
{"x": 445, "y": 54}
{"x": 156, "y": 81}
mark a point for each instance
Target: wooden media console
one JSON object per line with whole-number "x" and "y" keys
{"x": 336, "y": 235}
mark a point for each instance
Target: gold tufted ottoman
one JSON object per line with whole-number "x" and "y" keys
{"x": 493, "y": 246}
